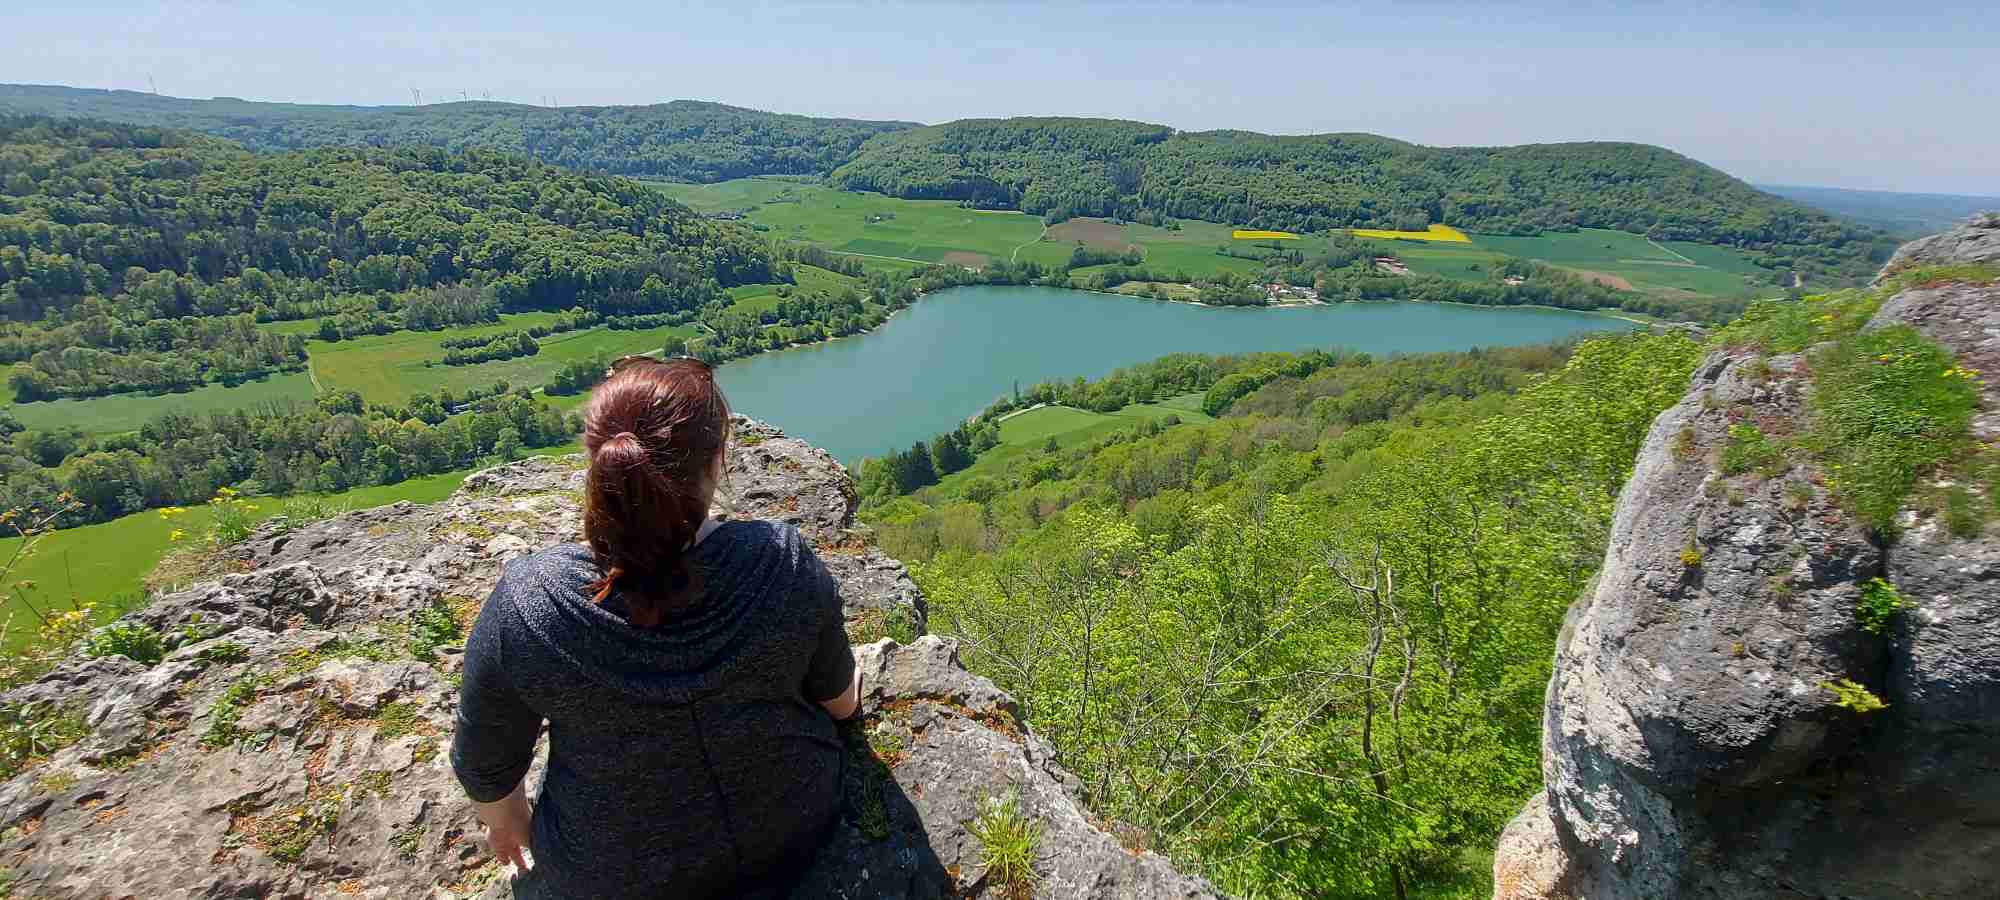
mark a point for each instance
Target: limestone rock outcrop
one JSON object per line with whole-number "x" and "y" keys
{"x": 292, "y": 743}
{"x": 1691, "y": 746}
{"x": 1977, "y": 241}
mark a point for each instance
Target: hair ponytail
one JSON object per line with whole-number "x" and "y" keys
{"x": 652, "y": 431}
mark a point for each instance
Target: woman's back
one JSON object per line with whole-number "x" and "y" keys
{"x": 684, "y": 759}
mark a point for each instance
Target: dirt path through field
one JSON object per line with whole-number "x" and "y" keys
{"x": 1656, "y": 246}
{"x": 925, "y": 262}
{"x": 1015, "y": 256}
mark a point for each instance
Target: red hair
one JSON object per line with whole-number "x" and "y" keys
{"x": 653, "y": 431}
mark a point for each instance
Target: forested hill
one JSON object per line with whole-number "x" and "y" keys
{"x": 1063, "y": 167}
{"x": 1093, "y": 167}
{"x": 122, "y": 249}
{"x": 684, "y": 139}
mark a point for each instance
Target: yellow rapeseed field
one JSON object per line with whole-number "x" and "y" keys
{"x": 1444, "y": 233}
{"x": 1246, "y": 235}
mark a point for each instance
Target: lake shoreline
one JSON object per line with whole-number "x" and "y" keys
{"x": 1288, "y": 304}
{"x": 923, "y": 370}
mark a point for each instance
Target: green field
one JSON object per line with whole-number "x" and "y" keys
{"x": 889, "y": 232}
{"x": 871, "y": 225}
{"x": 294, "y": 326}
{"x": 1027, "y": 432}
{"x": 897, "y": 235}
{"x": 72, "y": 562}
{"x": 730, "y": 196}
{"x": 389, "y": 368}
{"x": 1641, "y": 264}
{"x": 125, "y": 412}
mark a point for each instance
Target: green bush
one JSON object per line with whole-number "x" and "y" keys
{"x": 1007, "y": 839}
{"x": 1880, "y": 601}
{"x": 1851, "y": 695}
{"x": 30, "y": 731}
{"x": 1889, "y": 406}
{"x": 1748, "y": 450}
{"x": 433, "y": 628}
{"x": 226, "y": 711}
{"x": 130, "y": 640}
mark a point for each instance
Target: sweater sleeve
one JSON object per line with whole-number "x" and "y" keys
{"x": 832, "y": 667}
{"x": 494, "y": 741}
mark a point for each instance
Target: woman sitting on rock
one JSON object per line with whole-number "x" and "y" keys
{"x": 690, "y": 671}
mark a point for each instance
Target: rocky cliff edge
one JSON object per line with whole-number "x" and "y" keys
{"x": 1692, "y": 747}
{"x": 293, "y": 743}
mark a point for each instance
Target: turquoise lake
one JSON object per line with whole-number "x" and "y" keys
{"x": 955, "y": 351}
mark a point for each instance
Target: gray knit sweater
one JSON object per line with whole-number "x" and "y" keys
{"x": 687, "y": 760}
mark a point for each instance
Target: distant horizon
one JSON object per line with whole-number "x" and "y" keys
{"x": 1843, "y": 93}
{"x": 1178, "y": 129}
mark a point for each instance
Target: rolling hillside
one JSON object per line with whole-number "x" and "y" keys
{"x": 685, "y": 139}
{"x": 1900, "y": 214}
{"x": 1100, "y": 167}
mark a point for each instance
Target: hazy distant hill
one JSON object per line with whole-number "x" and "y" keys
{"x": 684, "y": 139}
{"x": 1904, "y": 215}
{"x": 1064, "y": 167}
{"x": 1080, "y": 167}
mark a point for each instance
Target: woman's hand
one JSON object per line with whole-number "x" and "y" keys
{"x": 507, "y": 823}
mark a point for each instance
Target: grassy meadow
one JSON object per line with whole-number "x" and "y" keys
{"x": 388, "y": 368}
{"x": 1621, "y": 260}
{"x": 885, "y": 231}
{"x": 915, "y": 232}
{"x": 126, "y": 412}
{"x": 1027, "y": 432}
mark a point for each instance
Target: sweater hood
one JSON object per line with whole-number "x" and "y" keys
{"x": 682, "y": 660}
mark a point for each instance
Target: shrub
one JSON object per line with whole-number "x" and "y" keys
{"x": 306, "y": 509}
{"x": 223, "y": 652}
{"x": 1889, "y": 406}
{"x": 1007, "y": 839}
{"x": 1749, "y": 449}
{"x": 234, "y": 517}
{"x": 226, "y": 711}
{"x": 433, "y": 628}
{"x": 1880, "y": 601}
{"x": 1849, "y": 695}
{"x": 30, "y": 731}
{"x": 1964, "y": 515}
{"x": 130, "y": 640}
{"x": 1684, "y": 443}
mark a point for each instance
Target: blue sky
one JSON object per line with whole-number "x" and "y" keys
{"x": 1864, "y": 95}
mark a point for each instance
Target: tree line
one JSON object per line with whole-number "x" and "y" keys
{"x": 505, "y": 345}
{"x": 334, "y": 444}
{"x": 684, "y": 140}
{"x": 109, "y": 357}
{"x": 1062, "y": 168}
{"x": 134, "y": 225}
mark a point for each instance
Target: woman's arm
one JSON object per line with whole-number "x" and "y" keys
{"x": 507, "y": 821}
{"x": 842, "y": 708}
{"x": 832, "y": 679}
{"x": 494, "y": 741}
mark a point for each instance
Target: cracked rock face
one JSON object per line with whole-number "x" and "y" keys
{"x": 1977, "y": 241}
{"x": 1690, "y": 746}
{"x": 294, "y": 744}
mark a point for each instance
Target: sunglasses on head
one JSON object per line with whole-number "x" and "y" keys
{"x": 625, "y": 362}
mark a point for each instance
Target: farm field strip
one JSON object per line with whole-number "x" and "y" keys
{"x": 1027, "y": 431}
{"x": 126, "y": 412}
{"x": 1439, "y": 233}
{"x": 389, "y": 368}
